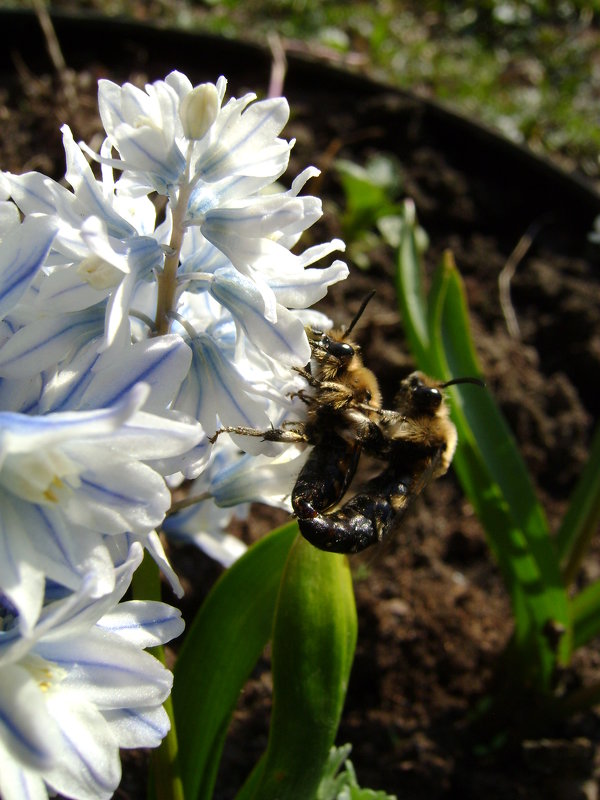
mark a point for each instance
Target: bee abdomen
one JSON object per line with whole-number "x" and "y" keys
{"x": 324, "y": 477}
{"x": 361, "y": 522}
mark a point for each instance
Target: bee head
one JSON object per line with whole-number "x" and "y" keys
{"x": 420, "y": 395}
{"x": 333, "y": 350}
{"x": 324, "y": 346}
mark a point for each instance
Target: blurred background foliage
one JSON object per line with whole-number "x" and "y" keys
{"x": 529, "y": 69}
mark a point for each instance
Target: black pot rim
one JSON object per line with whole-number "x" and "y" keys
{"x": 87, "y": 36}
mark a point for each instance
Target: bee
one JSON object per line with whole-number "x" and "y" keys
{"x": 343, "y": 403}
{"x": 415, "y": 441}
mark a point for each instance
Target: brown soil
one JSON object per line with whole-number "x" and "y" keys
{"x": 434, "y": 615}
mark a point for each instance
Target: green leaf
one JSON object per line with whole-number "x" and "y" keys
{"x": 456, "y": 357}
{"x": 410, "y": 292}
{"x": 220, "y": 650}
{"x": 586, "y": 614}
{"x": 479, "y": 418}
{"x": 488, "y": 463}
{"x": 582, "y": 519}
{"x": 314, "y": 636}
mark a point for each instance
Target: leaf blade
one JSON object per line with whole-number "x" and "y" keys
{"x": 219, "y": 652}
{"x": 314, "y": 636}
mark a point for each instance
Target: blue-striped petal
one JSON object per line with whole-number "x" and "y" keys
{"x": 22, "y": 252}
{"x": 144, "y": 623}
{"x": 48, "y": 341}
{"x": 214, "y": 388}
{"x": 162, "y": 363}
{"x": 284, "y": 340}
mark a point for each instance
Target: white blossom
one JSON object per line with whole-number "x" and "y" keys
{"x": 79, "y": 687}
{"x": 66, "y": 480}
{"x": 130, "y": 331}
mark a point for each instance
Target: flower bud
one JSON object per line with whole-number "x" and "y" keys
{"x": 198, "y": 110}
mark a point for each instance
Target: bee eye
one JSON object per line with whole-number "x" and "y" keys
{"x": 427, "y": 398}
{"x": 340, "y": 350}
{"x": 368, "y": 396}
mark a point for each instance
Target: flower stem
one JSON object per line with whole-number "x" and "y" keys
{"x": 167, "y": 279}
{"x": 166, "y": 775}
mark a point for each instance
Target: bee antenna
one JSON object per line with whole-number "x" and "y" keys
{"x": 454, "y": 381}
{"x": 358, "y": 314}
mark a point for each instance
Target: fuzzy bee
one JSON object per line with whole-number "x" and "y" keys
{"x": 415, "y": 441}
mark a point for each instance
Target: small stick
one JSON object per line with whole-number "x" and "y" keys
{"x": 508, "y": 272}
{"x": 278, "y": 65}
{"x": 55, "y": 53}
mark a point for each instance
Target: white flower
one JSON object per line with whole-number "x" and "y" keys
{"x": 208, "y": 307}
{"x": 79, "y": 688}
{"x": 68, "y": 478}
{"x": 225, "y": 232}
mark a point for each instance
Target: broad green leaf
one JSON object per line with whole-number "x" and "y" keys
{"x": 314, "y": 636}
{"x": 582, "y": 519}
{"x": 220, "y": 650}
{"x": 456, "y": 354}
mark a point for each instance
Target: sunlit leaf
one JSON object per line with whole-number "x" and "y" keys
{"x": 314, "y": 636}
{"x": 221, "y": 648}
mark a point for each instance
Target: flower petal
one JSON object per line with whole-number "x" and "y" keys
{"x": 109, "y": 671}
{"x": 143, "y": 622}
{"x": 138, "y": 727}
{"x": 48, "y": 341}
{"x": 162, "y": 363}
{"x": 90, "y": 766}
{"x": 22, "y": 252}
{"x": 26, "y": 728}
{"x": 215, "y": 387}
{"x": 284, "y": 340}
{"x": 18, "y": 782}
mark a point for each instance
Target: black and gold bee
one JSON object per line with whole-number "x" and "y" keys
{"x": 415, "y": 441}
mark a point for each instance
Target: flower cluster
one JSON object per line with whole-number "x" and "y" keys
{"x": 139, "y": 311}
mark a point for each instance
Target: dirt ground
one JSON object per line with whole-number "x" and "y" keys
{"x": 433, "y": 612}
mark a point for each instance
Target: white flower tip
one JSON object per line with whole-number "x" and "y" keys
{"x": 410, "y": 211}
{"x": 198, "y": 110}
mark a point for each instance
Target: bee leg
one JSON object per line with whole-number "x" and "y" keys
{"x": 307, "y": 376}
{"x": 317, "y": 383}
{"x": 301, "y": 394}
{"x": 286, "y": 435}
{"x": 294, "y": 425}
